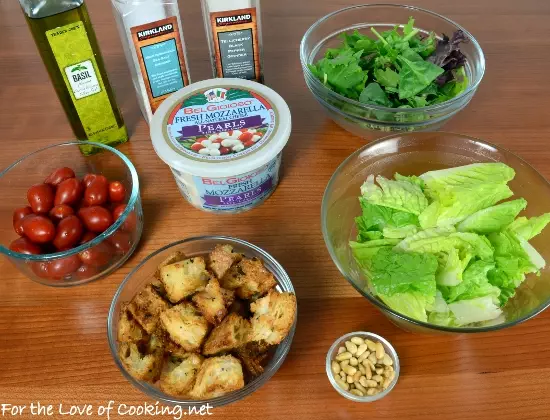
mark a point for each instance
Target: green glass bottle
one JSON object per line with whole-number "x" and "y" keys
{"x": 68, "y": 46}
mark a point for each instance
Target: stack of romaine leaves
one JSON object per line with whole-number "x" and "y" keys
{"x": 438, "y": 248}
{"x": 400, "y": 68}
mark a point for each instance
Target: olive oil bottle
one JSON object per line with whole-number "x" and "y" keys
{"x": 68, "y": 46}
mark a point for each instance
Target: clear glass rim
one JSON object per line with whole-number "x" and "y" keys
{"x": 436, "y": 107}
{"x": 379, "y": 304}
{"x": 362, "y": 334}
{"x": 134, "y": 194}
{"x": 256, "y": 383}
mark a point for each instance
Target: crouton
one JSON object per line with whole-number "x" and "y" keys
{"x": 142, "y": 366}
{"x": 221, "y": 259}
{"x": 129, "y": 330}
{"x": 253, "y": 355}
{"x": 211, "y": 302}
{"x": 227, "y": 336}
{"x": 241, "y": 307}
{"x": 171, "y": 259}
{"x": 228, "y": 297}
{"x": 218, "y": 376}
{"x": 273, "y": 317}
{"x": 146, "y": 307}
{"x": 185, "y": 326}
{"x": 250, "y": 278}
{"x": 179, "y": 373}
{"x": 184, "y": 278}
{"x": 158, "y": 287}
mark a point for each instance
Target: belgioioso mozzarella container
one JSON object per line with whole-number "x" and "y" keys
{"x": 223, "y": 139}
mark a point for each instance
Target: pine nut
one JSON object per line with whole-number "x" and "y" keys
{"x": 371, "y": 358}
{"x": 335, "y": 367}
{"x": 371, "y": 365}
{"x": 360, "y": 387}
{"x": 379, "y": 371}
{"x": 357, "y": 392}
{"x": 379, "y": 350}
{"x": 387, "y": 360}
{"x": 349, "y": 379}
{"x": 369, "y": 383}
{"x": 371, "y": 345}
{"x": 344, "y": 363}
{"x": 342, "y": 384}
{"x": 357, "y": 375}
{"x": 362, "y": 369}
{"x": 386, "y": 383}
{"x": 392, "y": 375}
{"x": 362, "y": 348}
{"x": 372, "y": 391}
{"x": 363, "y": 356}
{"x": 352, "y": 348}
{"x": 343, "y": 356}
{"x": 387, "y": 373}
{"x": 357, "y": 341}
{"x": 350, "y": 370}
{"x": 353, "y": 361}
{"x": 378, "y": 378}
{"x": 341, "y": 349}
{"x": 342, "y": 374}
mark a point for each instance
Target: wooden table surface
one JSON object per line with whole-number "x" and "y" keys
{"x": 53, "y": 345}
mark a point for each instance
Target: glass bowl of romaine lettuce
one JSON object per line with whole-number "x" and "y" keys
{"x": 390, "y": 68}
{"x": 441, "y": 232}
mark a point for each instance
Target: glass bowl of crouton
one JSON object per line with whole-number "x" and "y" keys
{"x": 203, "y": 320}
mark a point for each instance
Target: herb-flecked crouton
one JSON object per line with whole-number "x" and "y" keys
{"x": 221, "y": 259}
{"x": 273, "y": 317}
{"x": 146, "y": 307}
{"x": 253, "y": 356}
{"x": 218, "y": 376}
{"x": 211, "y": 303}
{"x": 179, "y": 373}
{"x": 185, "y": 326}
{"x": 249, "y": 278}
{"x": 142, "y": 366}
{"x": 129, "y": 331}
{"x": 229, "y": 335}
{"x": 170, "y": 259}
{"x": 184, "y": 278}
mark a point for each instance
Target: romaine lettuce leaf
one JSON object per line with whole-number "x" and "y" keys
{"x": 492, "y": 219}
{"x": 474, "y": 284}
{"x": 413, "y": 179}
{"x": 375, "y": 217}
{"x": 399, "y": 232}
{"x": 451, "y": 266}
{"x": 398, "y": 195}
{"x": 365, "y": 252}
{"x": 412, "y": 304}
{"x": 529, "y": 228}
{"x": 479, "y": 309}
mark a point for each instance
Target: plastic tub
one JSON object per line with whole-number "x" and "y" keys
{"x": 222, "y": 139}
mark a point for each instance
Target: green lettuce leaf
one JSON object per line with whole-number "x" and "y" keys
{"x": 474, "y": 284}
{"x": 474, "y": 310}
{"x": 529, "y": 228}
{"x": 399, "y": 232}
{"x": 399, "y": 195}
{"x": 386, "y": 77}
{"x": 373, "y": 94}
{"x": 413, "y": 179}
{"x": 493, "y": 219}
{"x": 451, "y": 266}
{"x": 474, "y": 174}
{"x": 412, "y": 304}
{"x": 365, "y": 252}
{"x": 415, "y": 75}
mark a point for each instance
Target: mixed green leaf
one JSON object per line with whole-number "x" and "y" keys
{"x": 440, "y": 248}
{"x": 399, "y": 68}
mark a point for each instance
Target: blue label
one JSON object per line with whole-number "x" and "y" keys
{"x": 163, "y": 67}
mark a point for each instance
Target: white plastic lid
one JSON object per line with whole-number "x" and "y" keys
{"x": 221, "y": 127}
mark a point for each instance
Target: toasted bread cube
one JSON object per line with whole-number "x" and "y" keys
{"x": 222, "y": 258}
{"x": 229, "y": 335}
{"x": 184, "y": 278}
{"x": 129, "y": 331}
{"x": 179, "y": 373}
{"x": 171, "y": 259}
{"x": 252, "y": 357}
{"x": 228, "y": 297}
{"x": 241, "y": 307}
{"x": 185, "y": 326}
{"x": 218, "y": 376}
{"x": 145, "y": 367}
{"x": 211, "y": 302}
{"x": 146, "y": 307}
{"x": 250, "y": 278}
{"x": 273, "y": 317}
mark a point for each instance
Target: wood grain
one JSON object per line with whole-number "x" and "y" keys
{"x": 53, "y": 345}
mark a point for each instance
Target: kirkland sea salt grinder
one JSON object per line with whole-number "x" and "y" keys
{"x": 233, "y": 28}
{"x": 68, "y": 46}
{"x": 152, "y": 37}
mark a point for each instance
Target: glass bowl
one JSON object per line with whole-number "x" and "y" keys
{"x": 366, "y": 120}
{"x": 123, "y": 234}
{"x": 144, "y": 273}
{"x": 413, "y": 154}
{"x": 388, "y": 348}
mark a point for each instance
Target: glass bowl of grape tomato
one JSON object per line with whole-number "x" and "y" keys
{"x": 68, "y": 219}
{"x": 414, "y": 154}
{"x": 370, "y": 114}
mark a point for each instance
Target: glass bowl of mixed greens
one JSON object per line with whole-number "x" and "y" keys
{"x": 442, "y": 232}
{"x": 385, "y": 67}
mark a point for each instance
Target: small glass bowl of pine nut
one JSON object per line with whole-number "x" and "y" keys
{"x": 362, "y": 366}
